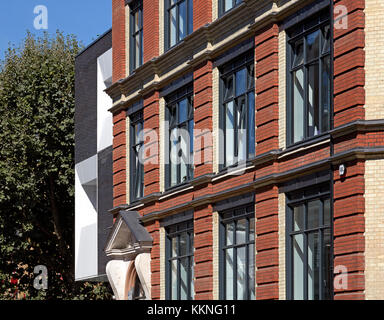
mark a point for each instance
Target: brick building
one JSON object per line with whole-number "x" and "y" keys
{"x": 248, "y": 149}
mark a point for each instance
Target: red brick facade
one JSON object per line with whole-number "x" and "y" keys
{"x": 272, "y": 166}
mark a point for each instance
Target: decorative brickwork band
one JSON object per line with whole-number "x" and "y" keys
{"x": 267, "y": 89}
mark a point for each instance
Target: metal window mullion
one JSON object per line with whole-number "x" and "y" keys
{"x": 188, "y": 269}
{"x": 177, "y": 22}
{"x": 305, "y": 273}
{"x": 247, "y": 296}
{"x": 178, "y": 269}
{"x": 246, "y": 107}
{"x": 234, "y": 262}
{"x": 320, "y": 82}
{"x": 321, "y": 252}
{"x": 306, "y": 96}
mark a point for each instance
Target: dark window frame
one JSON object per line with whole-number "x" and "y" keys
{"x": 136, "y": 6}
{"x": 168, "y": 6}
{"x": 233, "y": 215}
{"x": 136, "y": 174}
{"x": 301, "y": 197}
{"x": 172, "y": 102}
{"x": 222, "y": 11}
{"x": 227, "y": 70}
{"x": 175, "y": 231}
{"x": 295, "y": 34}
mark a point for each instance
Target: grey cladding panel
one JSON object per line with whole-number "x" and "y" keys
{"x": 86, "y": 98}
{"x": 105, "y": 202}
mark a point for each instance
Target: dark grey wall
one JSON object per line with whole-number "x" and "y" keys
{"x": 105, "y": 203}
{"x": 86, "y": 97}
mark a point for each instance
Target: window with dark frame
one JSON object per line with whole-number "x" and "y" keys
{"x": 309, "y": 80}
{"x": 179, "y": 116}
{"x": 180, "y": 261}
{"x": 237, "y": 254}
{"x": 138, "y": 291}
{"x": 136, "y": 156}
{"x": 237, "y": 111}
{"x": 226, "y": 5}
{"x": 178, "y": 21}
{"x": 136, "y": 32}
{"x": 309, "y": 244}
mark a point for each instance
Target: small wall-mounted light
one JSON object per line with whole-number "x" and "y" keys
{"x": 342, "y": 170}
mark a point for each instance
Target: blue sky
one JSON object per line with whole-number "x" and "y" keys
{"x": 87, "y": 19}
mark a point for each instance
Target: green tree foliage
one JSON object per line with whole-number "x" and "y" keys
{"x": 37, "y": 170}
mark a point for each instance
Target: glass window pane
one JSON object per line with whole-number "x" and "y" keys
{"x": 313, "y": 44}
{"x": 241, "y": 274}
{"x": 327, "y": 212}
{"x": 298, "y": 218}
{"x": 229, "y": 133}
{"x": 174, "y": 279}
{"x": 173, "y": 25}
{"x": 298, "y": 266}
{"x": 182, "y": 20}
{"x": 229, "y": 232}
{"x": 251, "y": 229}
{"x": 229, "y": 274}
{"x": 184, "y": 142}
{"x": 326, "y": 39}
{"x": 241, "y": 79}
{"x": 251, "y": 77}
{"x": 327, "y": 273}
{"x": 190, "y": 16}
{"x": 298, "y": 106}
{"x": 174, "y": 159}
{"x": 191, "y": 137}
{"x": 184, "y": 266}
{"x": 137, "y": 21}
{"x": 325, "y": 93}
{"x": 174, "y": 247}
{"x": 313, "y": 266}
{"x": 251, "y": 124}
{"x": 298, "y": 53}
{"x": 251, "y": 272}
{"x": 183, "y": 244}
{"x": 241, "y": 227}
{"x": 183, "y": 110}
{"x": 242, "y": 130}
{"x": 228, "y": 5}
{"x": 137, "y": 50}
{"x": 313, "y": 103}
{"x": 228, "y": 88}
{"x": 191, "y": 266}
{"x": 314, "y": 214}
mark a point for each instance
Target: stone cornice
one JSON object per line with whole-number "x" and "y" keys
{"x": 203, "y": 44}
{"x": 272, "y": 156}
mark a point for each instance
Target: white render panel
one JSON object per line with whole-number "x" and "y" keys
{"x": 86, "y": 219}
{"x": 104, "y": 102}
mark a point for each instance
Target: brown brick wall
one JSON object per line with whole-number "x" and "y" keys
{"x": 267, "y": 89}
{"x": 349, "y": 61}
{"x": 119, "y": 159}
{"x": 151, "y": 143}
{"x": 202, "y": 13}
{"x": 267, "y": 243}
{"x": 150, "y": 29}
{"x": 203, "y": 97}
{"x": 349, "y": 227}
{"x": 118, "y": 40}
{"x": 203, "y": 226}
